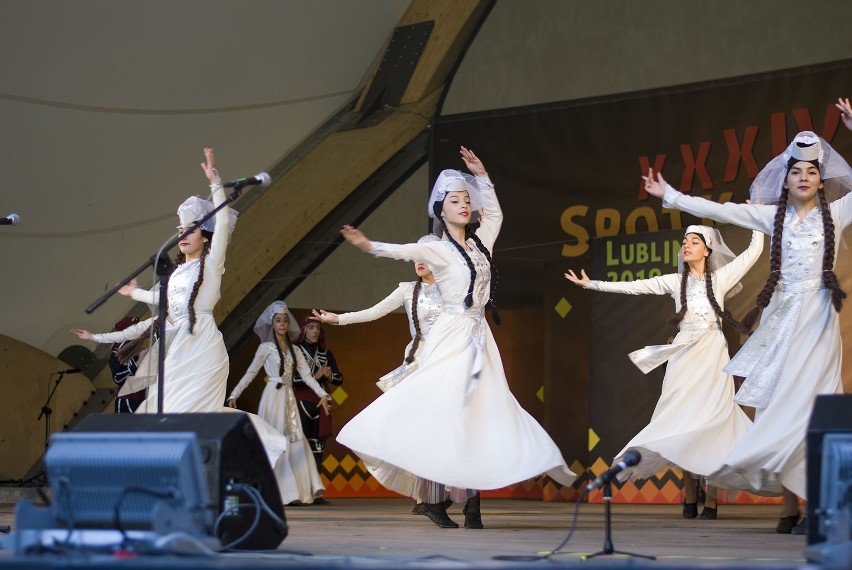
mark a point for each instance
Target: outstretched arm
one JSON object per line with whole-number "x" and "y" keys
{"x": 377, "y": 311}
{"x": 129, "y": 333}
{"x": 748, "y": 216}
{"x": 432, "y": 253}
{"x": 662, "y": 285}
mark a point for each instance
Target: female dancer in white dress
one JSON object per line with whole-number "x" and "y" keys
{"x": 300, "y": 480}
{"x": 454, "y": 420}
{"x": 696, "y": 422}
{"x": 423, "y": 303}
{"x": 795, "y": 353}
{"x": 196, "y": 362}
{"x": 424, "y": 295}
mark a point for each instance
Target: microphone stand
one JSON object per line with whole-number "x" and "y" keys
{"x": 163, "y": 266}
{"x": 607, "y": 546}
{"x": 45, "y": 413}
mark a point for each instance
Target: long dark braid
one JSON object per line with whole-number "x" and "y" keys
{"x": 437, "y": 207}
{"x": 495, "y": 277}
{"x": 675, "y": 319}
{"x": 708, "y": 282}
{"x": 205, "y": 249}
{"x": 765, "y": 294}
{"x": 829, "y": 278}
{"x": 418, "y": 335}
{"x": 281, "y": 361}
{"x": 721, "y": 313}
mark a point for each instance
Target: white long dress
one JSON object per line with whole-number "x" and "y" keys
{"x": 298, "y": 477}
{"x": 429, "y": 306}
{"x": 792, "y": 357}
{"x": 196, "y": 365}
{"x": 454, "y": 420}
{"x": 696, "y": 422}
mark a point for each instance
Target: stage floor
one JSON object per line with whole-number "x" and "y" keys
{"x": 369, "y": 533}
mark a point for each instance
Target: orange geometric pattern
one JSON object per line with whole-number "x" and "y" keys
{"x": 347, "y": 477}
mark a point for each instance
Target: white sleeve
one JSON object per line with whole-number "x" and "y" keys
{"x": 491, "y": 218}
{"x": 662, "y": 285}
{"x": 129, "y": 333}
{"x": 147, "y": 296}
{"x": 434, "y": 253}
{"x": 379, "y": 310}
{"x": 841, "y": 211}
{"x": 753, "y": 217}
{"x": 219, "y": 247}
{"x": 733, "y": 272}
{"x": 257, "y": 363}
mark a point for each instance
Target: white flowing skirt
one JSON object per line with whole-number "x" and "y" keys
{"x": 696, "y": 422}
{"x": 772, "y": 454}
{"x": 443, "y": 425}
{"x": 298, "y": 476}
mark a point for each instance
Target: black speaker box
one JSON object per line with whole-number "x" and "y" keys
{"x": 831, "y": 414}
{"x": 232, "y": 453}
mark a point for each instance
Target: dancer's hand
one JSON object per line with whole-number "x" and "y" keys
{"x": 326, "y": 317}
{"x": 232, "y": 403}
{"x": 582, "y": 281}
{"x": 209, "y": 167}
{"x": 845, "y": 112}
{"x": 473, "y": 163}
{"x": 84, "y": 334}
{"x": 655, "y": 186}
{"x": 127, "y": 290}
{"x": 325, "y": 405}
{"x": 357, "y": 238}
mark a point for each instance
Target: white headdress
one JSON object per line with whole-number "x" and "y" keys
{"x": 263, "y": 325}
{"x": 454, "y": 181}
{"x": 195, "y": 207}
{"x": 720, "y": 253}
{"x": 805, "y": 146}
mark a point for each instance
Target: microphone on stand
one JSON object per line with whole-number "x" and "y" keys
{"x": 260, "y": 179}
{"x": 630, "y": 459}
{"x": 10, "y": 220}
{"x": 69, "y": 371}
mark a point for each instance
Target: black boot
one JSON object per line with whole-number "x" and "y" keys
{"x": 472, "y": 516}
{"x": 437, "y": 513}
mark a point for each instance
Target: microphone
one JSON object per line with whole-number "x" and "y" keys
{"x": 630, "y": 459}
{"x": 10, "y": 220}
{"x": 260, "y": 179}
{"x": 69, "y": 371}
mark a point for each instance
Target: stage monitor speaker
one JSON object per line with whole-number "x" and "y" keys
{"x": 231, "y": 452}
{"x": 831, "y": 416}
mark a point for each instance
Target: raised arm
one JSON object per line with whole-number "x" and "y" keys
{"x": 219, "y": 246}
{"x": 263, "y": 352}
{"x": 491, "y": 215}
{"x": 731, "y": 274}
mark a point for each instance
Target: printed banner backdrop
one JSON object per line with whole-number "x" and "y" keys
{"x": 569, "y": 172}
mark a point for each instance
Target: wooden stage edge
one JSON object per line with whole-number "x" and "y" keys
{"x": 382, "y": 533}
